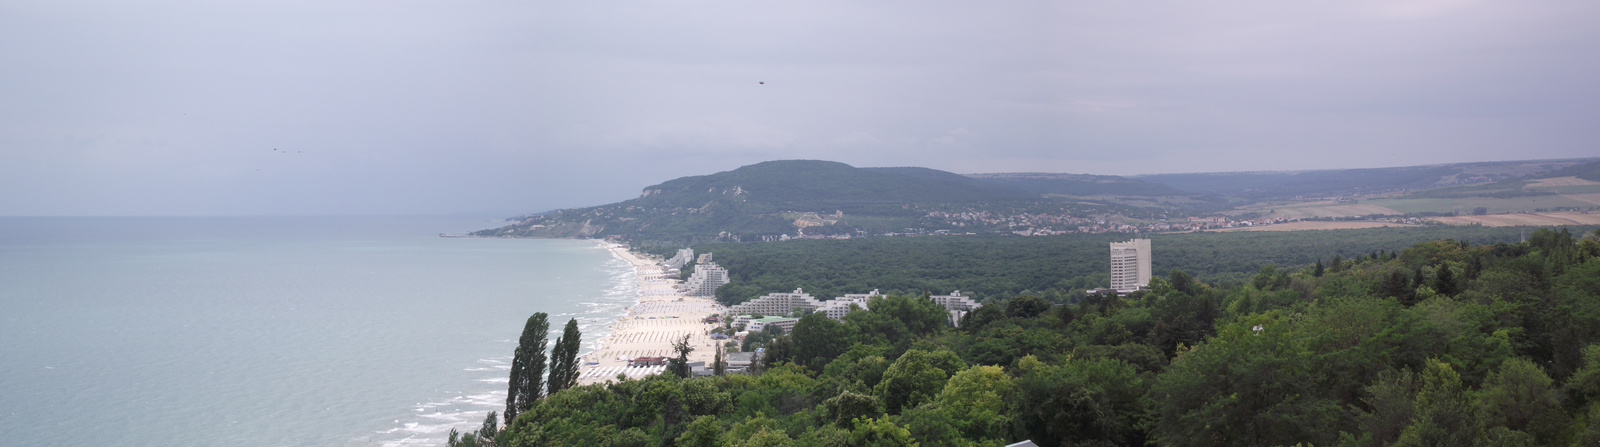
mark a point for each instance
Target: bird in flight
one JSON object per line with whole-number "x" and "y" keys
{"x": 762, "y": 82}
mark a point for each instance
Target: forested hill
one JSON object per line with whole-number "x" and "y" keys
{"x": 793, "y": 198}
{"x": 816, "y": 185}
{"x": 771, "y": 198}
{"x": 1079, "y": 184}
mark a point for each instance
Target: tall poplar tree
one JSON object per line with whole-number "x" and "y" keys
{"x": 527, "y": 367}
{"x": 564, "y": 358}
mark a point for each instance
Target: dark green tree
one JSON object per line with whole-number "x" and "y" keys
{"x": 916, "y": 377}
{"x": 1444, "y": 282}
{"x": 818, "y": 337}
{"x": 491, "y": 426}
{"x": 718, "y": 365}
{"x": 564, "y": 358}
{"x": 678, "y": 365}
{"x": 1418, "y": 279}
{"x": 780, "y": 350}
{"x": 1395, "y": 285}
{"x": 1392, "y": 402}
{"x": 1444, "y": 411}
{"x": 1318, "y": 270}
{"x": 1027, "y": 306}
{"x": 527, "y": 367}
{"x": 1520, "y": 397}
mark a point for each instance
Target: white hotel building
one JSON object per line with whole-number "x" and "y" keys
{"x": 777, "y": 304}
{"x": 1130, "y": 265}
{"x": 706, "y": 279}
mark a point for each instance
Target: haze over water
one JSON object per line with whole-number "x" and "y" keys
{"x": 274, "y": 331}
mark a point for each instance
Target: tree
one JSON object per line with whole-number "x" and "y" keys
{"x": 916, "y": 377}
{"x": 1444, "y": 414}
{"x": 491, "y": 426}
{"x": 976, "y": 398}
{"x": 1444, "y": 282}
{"x": 1392, "y": 399}
{"x": 1026, "y": 306}
{"x": 679, "y": 364}
{"x": 484, "y": 436}
{"x": 779, "y": 351}
{"x": 718, "y": 365}
{"x": 1318, "y": 270}
{"x": 1520, "y": 397}
{"x": 1243, "y": 387}
{"x": 880, "y": 433}
{"x": 564, "y": 358}
{"x": 848, "y": 406}
{"x": 703, "y": 432}
{"x": 1084, "y": 402}
{"x": 527, "y": 367}
{"x": 817, "y": 337}
{"x": 1395, "y": 285}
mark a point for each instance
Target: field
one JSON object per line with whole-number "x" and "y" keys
{"x": 1305, "y": 226}
{"x": 1465, "y": 205}
{"x": 1523, "y": 220}
{"x": 1560, "y": 181}
{"x": 1325, "y": 208}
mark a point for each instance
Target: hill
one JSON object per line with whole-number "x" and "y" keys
{"x": 779, "y": 200}
{"x": 815, "y": 185}
{"x": 771, "y": 199}
{"x": 1283, "y": 185}
{"x": 1041, "y": 183}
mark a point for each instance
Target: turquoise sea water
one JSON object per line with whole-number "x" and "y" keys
{"x": 275, "y": 331}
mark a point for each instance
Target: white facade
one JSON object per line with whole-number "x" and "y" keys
{"x": 787, "y": 303}
{"x": 677, "y": 262}
{"x": 777, "y": 304}
{"x": 1130, "y": 265}
{"x": 706, "y": 279}
{"x": 837, "y": 308}
{"x": 956, "y": 305}
{"x": 787, "y": 324}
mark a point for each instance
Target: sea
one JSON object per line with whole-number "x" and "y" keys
{"x": 276, "y": 331}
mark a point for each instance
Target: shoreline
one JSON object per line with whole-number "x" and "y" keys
{"x": 659, "y": 316}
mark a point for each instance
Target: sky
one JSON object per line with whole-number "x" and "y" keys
{"x": 334, "y": 107}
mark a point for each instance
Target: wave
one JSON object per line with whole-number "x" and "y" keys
{"x": 596, "y": 312}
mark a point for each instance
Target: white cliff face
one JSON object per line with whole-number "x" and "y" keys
{"x": 590, "y": 230}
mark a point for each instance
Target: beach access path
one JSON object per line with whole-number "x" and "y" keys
{"x": 661, "y": 317}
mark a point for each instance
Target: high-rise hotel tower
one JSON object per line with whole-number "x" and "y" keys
{"x": 1130, "y": 265}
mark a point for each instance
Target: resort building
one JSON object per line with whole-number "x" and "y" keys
{"x": 706, "y": 279}
{"x": 956, "y": 305}
{"x": 777, "y": 304}
{"x": 761, "y": 324}
{"x": 679, "y": 261}
{"x": 1130, "y": 265}
{"x": 837, "y": 308}
{"x": 740, "y": 361}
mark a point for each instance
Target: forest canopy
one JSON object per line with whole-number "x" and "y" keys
{"x": 1441, "y": 343}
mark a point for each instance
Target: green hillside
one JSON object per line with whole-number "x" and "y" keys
{"x": 770, "y": 198}
{"x": 811, "y": 185}
{"x": 1344, "y": 182}
{"x": 1078, "y": 184}
{"x": 1587, "y": 171}
{"x": 791, "y": 198}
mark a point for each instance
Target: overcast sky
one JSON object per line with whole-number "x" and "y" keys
{"x": 424, "y": 107}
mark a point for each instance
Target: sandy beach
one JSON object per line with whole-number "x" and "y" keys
{"x": 660, "y": 317}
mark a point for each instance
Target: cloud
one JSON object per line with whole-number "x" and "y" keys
{"x": 498, "y": 106}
